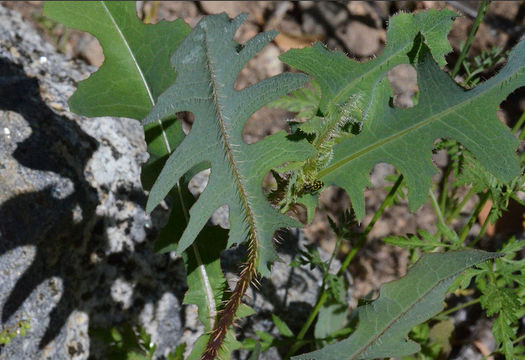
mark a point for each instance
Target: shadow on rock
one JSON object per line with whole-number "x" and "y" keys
{"x": 49, "y": 205}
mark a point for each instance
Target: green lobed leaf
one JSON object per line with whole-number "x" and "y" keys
{"x": 348, "y": 87}
{"x": 136, "y": 68}
{"x": 405, "y": 137}
{"x": 135, "y": 72}
{"x": 208, "y": 62}
{"x": 385, "y": 323}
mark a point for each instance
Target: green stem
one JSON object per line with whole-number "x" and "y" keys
{"x": 518, "y": 124}
{"x": 336, "y": 250}
{"x": 459, "y": 307}
{"x": 444, "y": 189}
{"x": 482, "y": 9}
{"x": 436, "y": 207}
{"x": 461, "y": 205}
{"x": 483, "y": 229}
{"x": 362, "y": 238}
{"x": 522, "y": 135}
{"x": 518, "y": 340}
{"x": 473, "y": 217}
{"x": 387, "y": 202}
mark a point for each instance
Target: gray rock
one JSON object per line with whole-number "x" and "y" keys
{"x": 75, "y": 242}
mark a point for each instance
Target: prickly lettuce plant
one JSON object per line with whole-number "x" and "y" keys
{"x": 350, "y": 127}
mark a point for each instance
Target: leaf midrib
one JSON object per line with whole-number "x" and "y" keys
{"x": 139, "y": 71}
{"x": 250, "y": 216}
{"x": 210, "y": 300}
{"x": 396, "y": 319}
{"x": 405, "y": 131}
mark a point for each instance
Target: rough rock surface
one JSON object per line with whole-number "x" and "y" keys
{"x": 74, "y": 247}
{"x": 75, "y": 243}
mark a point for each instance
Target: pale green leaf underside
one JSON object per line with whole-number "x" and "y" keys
{"x": 405, "y": 137}
{"x": 208, "y": 62}
{"x": 136, "y": 68}
{"x": 384, "y": 324}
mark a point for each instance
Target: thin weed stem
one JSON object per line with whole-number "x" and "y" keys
{"x": 482, "y": 9}
{"x": 461, "y": 205}
{"x": 518, "y": 124}
{"x": 459, "y": 307}
{"x": 436, "y": 207}
{"x": 473, "y": 218}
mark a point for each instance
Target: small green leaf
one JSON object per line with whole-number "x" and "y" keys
{"x": 385, "y": 323}
{"x": 281, "y": 326}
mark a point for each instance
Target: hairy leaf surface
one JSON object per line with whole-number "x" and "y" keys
{"x": 208, "y": 62}
{"x": 384, "y": 324}
{"x": 136, "y": 68}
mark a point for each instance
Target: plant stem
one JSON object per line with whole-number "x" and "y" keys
{"x": 444, "y": 188}
{"x": 461, "y": 205}
{"x": 436, "y": 207}
{"x": 522, "y": 135}
{"x": 459, "y": 307}
{"x": 519, "y": 123}
{"x": 518, "y": 339}
{"x": 473, "y": 217}
{"x": 362, "y": 238}
{"x": 482, "y": 9}
{"x": 483, "y": 229}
